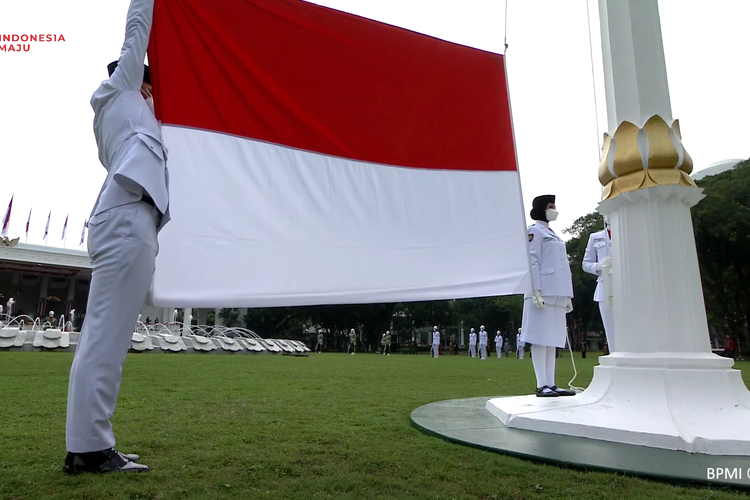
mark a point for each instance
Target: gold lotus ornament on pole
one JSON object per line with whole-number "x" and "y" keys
{"x": 636, "y": 158}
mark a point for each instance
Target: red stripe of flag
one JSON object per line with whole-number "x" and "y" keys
{"x": 322, "y": 80}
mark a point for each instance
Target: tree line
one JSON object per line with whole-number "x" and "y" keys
{"x": 721, "y": 224}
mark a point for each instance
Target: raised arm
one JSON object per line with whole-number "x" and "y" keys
{"x": 129, "y": 72}
{"x": 589, "y": 257}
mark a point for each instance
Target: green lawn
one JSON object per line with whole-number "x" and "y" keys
{"x": 330, "y": 425}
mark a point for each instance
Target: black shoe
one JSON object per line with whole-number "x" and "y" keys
{"x": 100, "y": 462}
{"x": 562, "y": 392}
{"x": 541, "y": 394}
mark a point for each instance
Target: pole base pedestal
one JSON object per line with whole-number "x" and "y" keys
{"x": 685, "y": 402}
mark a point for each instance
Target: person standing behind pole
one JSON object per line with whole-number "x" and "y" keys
{"x": 598, "y": 254}
{"x": 545, "y": 309}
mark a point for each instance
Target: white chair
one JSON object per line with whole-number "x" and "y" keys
{"x": 12, "y": 336}
{"x": 140, "y": 342}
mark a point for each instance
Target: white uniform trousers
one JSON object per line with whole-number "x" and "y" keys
{"x": 436, "y": 350}
{"x": 473, "y": 350}
{"x": 123, "y": 247}
{"x": 520, "y": 349}
{"x": 608, "y": 319}
{"x": 483, "y": 351}
{"x": 498, "y": 349}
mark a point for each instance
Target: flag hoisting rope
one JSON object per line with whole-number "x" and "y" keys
{"x": 505, "y": 30}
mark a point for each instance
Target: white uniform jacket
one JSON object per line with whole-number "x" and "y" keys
{"x": 127, "y": 133}
{"x": 472, "y": 338}
{"x": 550, "y": 269}
{"x": 435, "y": 338}
{"x": 498, "y": 341}
{"x": 597, "y": 249}
{"x": 482, "y": 338}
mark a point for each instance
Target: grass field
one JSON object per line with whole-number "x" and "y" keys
{"x": 326, "y": 426}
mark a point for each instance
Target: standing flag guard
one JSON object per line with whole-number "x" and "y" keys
{"x": 360, "y": 119}
{"x": 6, "y": 219}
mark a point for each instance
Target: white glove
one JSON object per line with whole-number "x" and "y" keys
{"x": 538, "y": 300}
{"x": 599, "y": 267}
{"x": 569, "y": 306}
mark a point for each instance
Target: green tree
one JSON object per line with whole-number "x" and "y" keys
{"x": 230, "y": 316}
{"x": 721, "y": 223}
{"x": 276, "y": 322}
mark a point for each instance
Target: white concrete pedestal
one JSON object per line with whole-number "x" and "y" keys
{"x": 696, "y": 404}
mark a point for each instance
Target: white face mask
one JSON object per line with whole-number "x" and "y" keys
{"x": 551, "y": 214}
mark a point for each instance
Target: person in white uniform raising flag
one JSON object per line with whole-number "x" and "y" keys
{"x": 131, "y": 209}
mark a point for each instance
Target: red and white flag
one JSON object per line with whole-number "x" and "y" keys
{"x": 83, "y": 231}
{"x": 318, "y": 157}
{"x": 46, "y": 228}
{"x": 6, "y": 219}
{"x": 28, "y": 222}
{"x": 65, "y": 228}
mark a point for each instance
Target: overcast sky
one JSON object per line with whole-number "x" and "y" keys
{"x": 48, "y": 155}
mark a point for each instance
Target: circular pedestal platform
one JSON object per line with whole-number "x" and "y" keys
{"x": 466, "y": 421}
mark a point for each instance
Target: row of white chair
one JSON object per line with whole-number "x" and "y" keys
{"x": 12, "y": 337}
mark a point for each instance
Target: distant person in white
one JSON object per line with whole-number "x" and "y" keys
{"x": 131, "y": 209}
{"x": 498, "y": 344}
{"x": 598, "y": 249}
{"x": 520, "y": 346}
{"x": 435, "y": 341}
{"x": 482, "y": 343}
{"x": 387, "y": 343}
{"x": 319, "y": 345}
{"x": 544, "y": 310}
{"x": 472, "y": 344}
{"x": 352, "y": 342}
